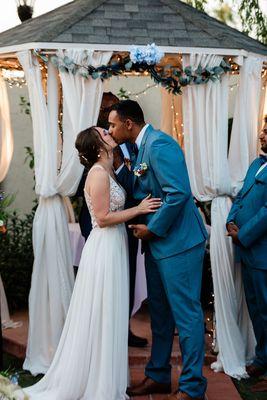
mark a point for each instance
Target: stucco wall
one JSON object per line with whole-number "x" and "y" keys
{"x": 19, "y": 179}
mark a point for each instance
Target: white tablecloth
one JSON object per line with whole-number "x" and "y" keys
{"x": 77, "y": 243}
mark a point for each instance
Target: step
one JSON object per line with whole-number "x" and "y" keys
{"x": 220, "y": 386}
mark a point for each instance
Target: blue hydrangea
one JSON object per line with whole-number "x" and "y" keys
{"x": 149, "y": 54}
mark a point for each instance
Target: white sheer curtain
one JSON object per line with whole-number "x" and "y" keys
{"x": 6, "y": 134}
{"x": 205, "y": 111}
{"x": 5, "y": 316}
{"x": 244, "y": 143}
{"x": 52, "y": 278}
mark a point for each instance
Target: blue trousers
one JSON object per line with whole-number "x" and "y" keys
{"x": 174, "y": 285}
{"x": 255, "y": 285}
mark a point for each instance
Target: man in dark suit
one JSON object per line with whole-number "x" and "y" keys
{"x": 247, "y": 225}
{"x": 126, "y": 151}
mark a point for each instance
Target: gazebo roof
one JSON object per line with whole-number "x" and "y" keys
{"x": 128, "y": 22}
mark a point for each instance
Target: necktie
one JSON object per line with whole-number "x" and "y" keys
{"x": 135, "y": 149}
{"x": 134, "y": 153}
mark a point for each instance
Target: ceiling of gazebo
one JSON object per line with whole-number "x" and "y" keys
{"x": 128, "y": 22}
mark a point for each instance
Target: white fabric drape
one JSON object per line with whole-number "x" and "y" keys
{"x": 82, "y": 100}
{"x": 5, "y": 316}
{"x": 6, "y": 134}
{"x": 244, "y": 143}
{"x": 205, "y": 111}
{"x": 53, "y": 278}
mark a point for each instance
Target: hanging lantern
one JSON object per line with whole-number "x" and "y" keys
{"x": 25, "y": 9}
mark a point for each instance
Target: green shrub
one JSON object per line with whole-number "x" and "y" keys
{"x": 16, "y": 259}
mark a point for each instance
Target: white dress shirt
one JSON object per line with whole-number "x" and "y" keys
{"x": 139, "y": 138}
{"x": 125, "y": 150}
{"x": 261, "y": 168}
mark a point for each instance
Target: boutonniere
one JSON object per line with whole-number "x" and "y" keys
{"x": 140, "y": 170}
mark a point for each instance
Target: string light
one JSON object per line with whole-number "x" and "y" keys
{"x": 14, "y": 78}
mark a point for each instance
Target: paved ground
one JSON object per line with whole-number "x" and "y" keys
{"x": 220, "y": 386}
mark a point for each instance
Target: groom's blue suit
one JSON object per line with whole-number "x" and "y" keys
{"x": 174, "y": 259}
{"x": 249, "y": 213}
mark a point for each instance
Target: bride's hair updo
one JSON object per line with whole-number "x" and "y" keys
{"x": 89, "y": 145}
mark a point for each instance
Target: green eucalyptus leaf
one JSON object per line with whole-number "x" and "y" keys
{"x": 128, "y": 66}
{"x": 188, "y": 70}
{"x": 95, "y": 75}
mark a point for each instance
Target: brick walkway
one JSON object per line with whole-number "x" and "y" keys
{"x": 220, "y": 386}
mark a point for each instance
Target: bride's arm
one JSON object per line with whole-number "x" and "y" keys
{"x": 98, "y": 187}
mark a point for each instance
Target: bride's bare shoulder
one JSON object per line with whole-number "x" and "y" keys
{"x": 97, "y": 178}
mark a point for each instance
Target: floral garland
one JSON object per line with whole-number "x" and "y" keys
{"x": 142, "y": 60}
{"x": 5, "y": 202}
{"x": 9, "y": 386}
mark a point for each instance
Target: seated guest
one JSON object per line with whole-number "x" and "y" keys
{"x": 125, "y": 149}
{"x": 247, "y": 225}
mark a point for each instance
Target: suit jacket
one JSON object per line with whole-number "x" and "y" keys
{"x": 249, "y": 212}
{"x": 177, "y": 225}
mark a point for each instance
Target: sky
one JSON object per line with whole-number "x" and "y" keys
{"x": 8, "y": 11}
{"x": 9, "y": 18}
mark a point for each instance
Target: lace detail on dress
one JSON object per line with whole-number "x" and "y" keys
{"x": 117, "y": 198}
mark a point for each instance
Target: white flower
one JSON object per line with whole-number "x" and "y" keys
{"x": 1, "y": 223}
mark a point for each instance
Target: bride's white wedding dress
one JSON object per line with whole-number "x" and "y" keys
{"x": 91, "y": 361}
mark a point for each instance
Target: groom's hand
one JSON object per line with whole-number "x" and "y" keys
{"x": 141, "y": 231}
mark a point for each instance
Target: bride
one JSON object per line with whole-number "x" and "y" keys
{"x": 91, "y": 361}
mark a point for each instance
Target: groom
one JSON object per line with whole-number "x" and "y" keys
{"x": 173, "y": 241}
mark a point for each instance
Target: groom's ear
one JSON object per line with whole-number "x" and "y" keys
{"x": 129, "y": 124}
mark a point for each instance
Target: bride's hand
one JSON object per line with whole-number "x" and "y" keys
{"x": 149, "y": 205}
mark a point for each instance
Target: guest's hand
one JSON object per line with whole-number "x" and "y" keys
{"x": 231, "y": 226}
{"x": 234, "y": 235}
{"x": 141, "y": 231}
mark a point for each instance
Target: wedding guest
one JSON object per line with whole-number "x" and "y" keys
{"x": 108, "y": 100}
{"x": 247, "y": 226}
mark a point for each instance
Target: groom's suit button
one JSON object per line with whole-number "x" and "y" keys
{"x": 148, "y": 386}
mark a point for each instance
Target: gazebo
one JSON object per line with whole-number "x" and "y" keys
{"x": 65, "y": 55}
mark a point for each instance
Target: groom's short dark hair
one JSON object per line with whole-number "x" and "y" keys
{"x": 129, "y": 109}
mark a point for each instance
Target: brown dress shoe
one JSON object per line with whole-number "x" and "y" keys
{"x": 254, "y": 371}
{"x": 148, "y": 386}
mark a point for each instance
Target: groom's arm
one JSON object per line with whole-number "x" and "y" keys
{"x": 168, "y": 164}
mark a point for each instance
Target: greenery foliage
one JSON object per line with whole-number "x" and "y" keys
{"x": 169, "y": 77}
{"x": 16, "y": 251}
{"x": 24, "y": 106}
{"x": 16, "y": 259}
{"x": 252, "y": 18}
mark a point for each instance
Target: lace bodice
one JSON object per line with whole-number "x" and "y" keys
{"x": 117, "y": 198}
